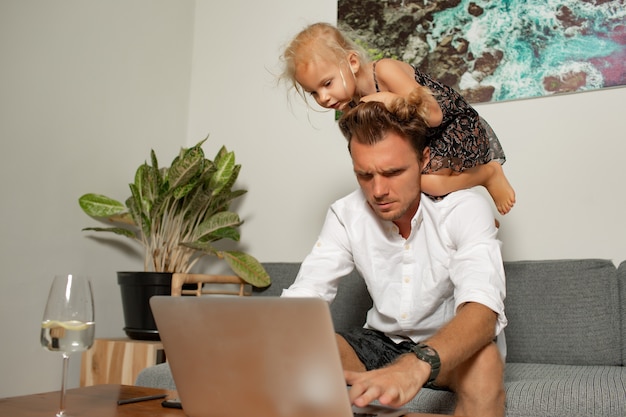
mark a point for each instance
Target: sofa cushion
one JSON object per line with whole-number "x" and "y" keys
{"x": 621, "y": 275}
{"x": 430, "y": 401}
{"x": 534, "y": 390}
{"x": 563, "y": 312}
{"x": 156, "y": 376}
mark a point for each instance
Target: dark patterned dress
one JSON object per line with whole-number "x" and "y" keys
{"x": 463, "y": 139}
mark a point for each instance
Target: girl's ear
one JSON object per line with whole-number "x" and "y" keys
{"x": 355, "y": 63}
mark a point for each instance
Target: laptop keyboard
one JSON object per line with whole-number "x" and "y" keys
{"x": 375, "y": 410}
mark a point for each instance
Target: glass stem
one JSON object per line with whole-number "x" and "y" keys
{"x": 66, "y": 359}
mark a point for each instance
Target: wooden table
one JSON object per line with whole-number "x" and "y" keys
{"x": 93, "y": 401}
{"x": 98, "y": 401}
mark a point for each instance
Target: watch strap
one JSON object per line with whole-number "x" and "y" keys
{"x": 429, "y": 355}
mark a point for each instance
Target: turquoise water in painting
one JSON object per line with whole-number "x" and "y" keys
{"x": 536, "y": 44}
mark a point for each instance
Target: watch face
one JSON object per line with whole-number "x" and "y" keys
{"x": 428, "y": 351}
{"x": 429, "y": 355}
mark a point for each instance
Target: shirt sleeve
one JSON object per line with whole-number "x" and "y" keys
{"x": 329, "y": 260}
{"x": 476, "y": 267}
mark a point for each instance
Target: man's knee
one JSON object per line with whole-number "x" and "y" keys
{"x": 479, "y": 384}
{"x": 481, "y": 378}
{"x": 349, "y": 359}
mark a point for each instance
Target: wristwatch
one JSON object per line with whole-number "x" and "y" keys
{"x": 430, "y": 356}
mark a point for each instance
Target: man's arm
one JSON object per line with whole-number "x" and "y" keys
{"x": 476, "y": 271}
{"x": 329, "y": 260}
{"x": 394, "y": 385}
{"x": 470, "y": 330}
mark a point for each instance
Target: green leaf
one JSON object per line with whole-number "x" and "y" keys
{"x": 222, "y": 200}
{"x": 216, "y": 222}
{"x": 181, "y": 192}
{"x": 197, "y": 203}
{"x": 205, "y": 247}
{"x": 232, "y": 179}
{"x": 134, "y": 211}
{"x": 125, "y": 218}
{"x": 116, "y": 230}
{"x": 223, "y": 233}
{"x": 145, "y": 187}
{"x": 148, "y": 183}
{"x": 98, "y": 205}
{"x": 225, "y": 168}
{"x": 153, "y": 158}
{"x": 188, "y": 165}
{"x": 247, "y": 267}
{"x": 139, "y": 210}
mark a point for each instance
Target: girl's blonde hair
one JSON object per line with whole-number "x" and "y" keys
{"x": 317, "y": 41}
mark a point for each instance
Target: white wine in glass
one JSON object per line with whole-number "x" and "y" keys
{"x": 68, "y": 324}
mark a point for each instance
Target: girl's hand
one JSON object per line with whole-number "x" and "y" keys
{"x": 385, "y": 97}
{"x": 398, "y": 77}
{"x": 423, "y": 101}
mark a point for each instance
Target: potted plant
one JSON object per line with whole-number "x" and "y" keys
{"x": 176, "y": 213}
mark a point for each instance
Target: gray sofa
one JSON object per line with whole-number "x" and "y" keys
{"x": 566, "y": 337}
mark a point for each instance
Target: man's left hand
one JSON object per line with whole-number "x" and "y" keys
{"x": 393, "y": 385}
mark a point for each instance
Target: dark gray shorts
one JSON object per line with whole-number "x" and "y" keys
{"x": 376, "y": 350}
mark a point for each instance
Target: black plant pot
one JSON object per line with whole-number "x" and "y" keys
{"x": 137, "y": 288}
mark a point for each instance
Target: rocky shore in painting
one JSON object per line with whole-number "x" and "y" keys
{"x": 492, "y": 51}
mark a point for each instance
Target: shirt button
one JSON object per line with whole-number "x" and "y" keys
{"x": 407, "y": 247}
{"x": 407, "y": 280}
{"x": 404, "y": 316}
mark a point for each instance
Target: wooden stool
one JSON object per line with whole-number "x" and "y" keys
{"x": 179, "y": 279}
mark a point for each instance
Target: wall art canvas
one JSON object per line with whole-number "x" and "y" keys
{"x": 498, "y": 50}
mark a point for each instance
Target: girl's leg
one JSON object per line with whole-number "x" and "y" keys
{"x": 490, "y": 175}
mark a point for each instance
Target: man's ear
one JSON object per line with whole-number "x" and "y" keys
{"x": 355, "y": 63}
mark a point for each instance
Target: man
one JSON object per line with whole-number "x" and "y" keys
{"x": 433, "y": 269}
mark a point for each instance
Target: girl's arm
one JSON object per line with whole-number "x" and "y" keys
{"x": 396, "y": 78}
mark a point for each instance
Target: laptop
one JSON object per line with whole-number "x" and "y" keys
{"x": 255, "y": 356}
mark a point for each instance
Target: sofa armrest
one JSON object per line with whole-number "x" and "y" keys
{"x": 156, "y": 376}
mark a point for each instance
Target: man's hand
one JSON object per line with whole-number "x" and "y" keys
{"x": 393, "y": 385}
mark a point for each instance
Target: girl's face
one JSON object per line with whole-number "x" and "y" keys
{"x": 332, "y": 86}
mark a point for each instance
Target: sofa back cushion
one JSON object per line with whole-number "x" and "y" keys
{"x": 563, "y": 312}
{"x": 621, "y": 275}
{"x": 559, "y": 311}
{"x": 351, "y": 303}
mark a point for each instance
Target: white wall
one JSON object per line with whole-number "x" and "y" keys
{"x": 565, "y": 159}
{"x": 88, "y": 87}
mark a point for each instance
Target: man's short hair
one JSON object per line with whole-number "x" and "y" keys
{"x": 368, "y": 123}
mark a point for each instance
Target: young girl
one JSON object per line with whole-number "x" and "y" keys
{"x": 464, "y": 151}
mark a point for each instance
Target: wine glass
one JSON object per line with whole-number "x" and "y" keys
{"x": 68, "y": 321}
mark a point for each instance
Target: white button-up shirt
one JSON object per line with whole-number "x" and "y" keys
{"x": 451, "y": 257}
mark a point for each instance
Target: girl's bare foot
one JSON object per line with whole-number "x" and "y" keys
{"x": 499, "y": 188}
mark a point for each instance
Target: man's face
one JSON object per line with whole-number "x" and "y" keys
{"x": 389, "y": 174}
